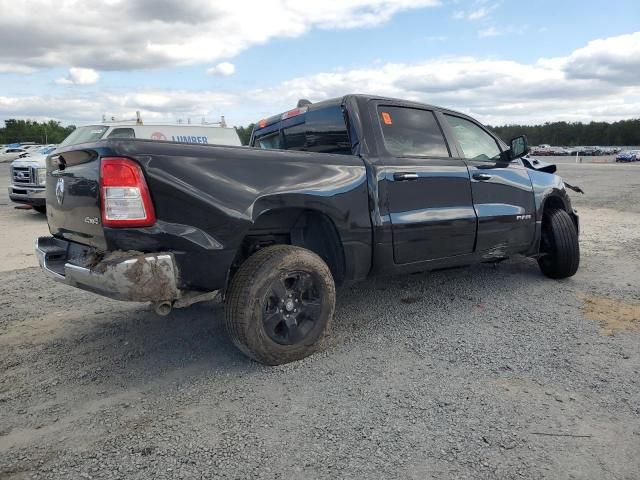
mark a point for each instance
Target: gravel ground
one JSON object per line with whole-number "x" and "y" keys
{"x": 493, "y": 372}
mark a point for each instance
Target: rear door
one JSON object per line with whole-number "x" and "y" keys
{"x": 427, "y": 191}
{"x": 502, "y": 191}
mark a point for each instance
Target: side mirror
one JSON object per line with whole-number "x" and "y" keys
{"x": 519, "y": 147}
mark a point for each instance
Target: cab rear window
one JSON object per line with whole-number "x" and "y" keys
{"x": 323, "y": 130}
{"x": 88, "y": 134}
{"x": 122, "y": 133}
{"x": 268, "y": 141}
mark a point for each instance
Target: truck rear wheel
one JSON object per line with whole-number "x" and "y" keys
{"x": 559, "y": 245}
{"x": 280, "y": 304}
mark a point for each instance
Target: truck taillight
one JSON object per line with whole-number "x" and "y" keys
{"x": 124, "y": 196}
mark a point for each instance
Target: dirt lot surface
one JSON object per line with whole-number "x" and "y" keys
{"x": 492, "y": 372}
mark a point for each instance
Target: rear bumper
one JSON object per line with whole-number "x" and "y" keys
{"x": 132, "y": 276}
{"x": 35, "y": 196}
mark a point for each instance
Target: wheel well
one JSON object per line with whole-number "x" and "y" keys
{"x": 556, "y": 203}
{"x": 553, "y": 203}
{"x": 305, "y": 228}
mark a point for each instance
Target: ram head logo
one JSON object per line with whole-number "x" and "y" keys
{"x": 60, "y": 190}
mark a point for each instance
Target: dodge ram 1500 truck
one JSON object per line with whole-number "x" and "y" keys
{"x": 331, "y": 192}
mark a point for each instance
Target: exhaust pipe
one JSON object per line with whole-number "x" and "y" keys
{"x": 162, "y": 308}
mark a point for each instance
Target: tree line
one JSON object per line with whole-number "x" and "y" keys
{"x": 245, "y": 133}
{"x": 31, "y": 131}
{"x": 621, "y": 133}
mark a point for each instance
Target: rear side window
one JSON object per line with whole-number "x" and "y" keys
{"x": 323, "y": 131}
{"x": 411, "y": 132}
{"x": 326, "y": 131}
{"x": 295, "y": 138}
{"x": 122, "y": 133}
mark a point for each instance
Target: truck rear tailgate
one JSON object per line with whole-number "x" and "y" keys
{"x": 73, "y": 197}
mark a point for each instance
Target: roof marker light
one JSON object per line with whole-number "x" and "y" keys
{"x": 294, "y": 113}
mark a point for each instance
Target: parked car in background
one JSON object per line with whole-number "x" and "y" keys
{"x": 38, "y": 149}
{"x": 28, "y": 173}
{"x": 547, "y": 150}
{"x": 9, "y": 153}
{"x": 628, "y": 156}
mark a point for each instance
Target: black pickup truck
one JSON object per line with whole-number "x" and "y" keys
{"x": 328, "y": 193}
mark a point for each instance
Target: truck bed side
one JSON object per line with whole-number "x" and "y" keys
{"x": 209, "y": 198}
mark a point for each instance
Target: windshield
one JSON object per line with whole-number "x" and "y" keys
{"x": 46, "y": 150}
{"x": 92, "y": 133}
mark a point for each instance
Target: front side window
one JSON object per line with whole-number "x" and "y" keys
{"x": 411, "y": 132}
{"x": 476, "y": 144}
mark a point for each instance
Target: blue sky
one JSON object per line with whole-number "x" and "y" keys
{"x": 502, "y": 61}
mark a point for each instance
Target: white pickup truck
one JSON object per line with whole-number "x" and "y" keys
{"x": 28, "y": 173}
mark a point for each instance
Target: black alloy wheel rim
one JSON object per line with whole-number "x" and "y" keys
{"x": 292, "y": 308}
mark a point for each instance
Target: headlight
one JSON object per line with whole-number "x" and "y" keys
{"x": 42, "y": 176}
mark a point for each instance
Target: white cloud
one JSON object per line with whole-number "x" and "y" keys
{"x": 14, "y": 68}
{"x": 496, "y": 91}
{"x": 222, "y": 69}
{"x": 493, "y": 31}
{"x": 79, "y": 76}
{"x": 134, "y": 34}
{"x": 615, "y": 59}
{"x": 478, "y": 14}
{"x": 482, "y": 11}
{"x": 155, "y": 105}
{"x": 581, "y": 86}
{"x": 489, "y": 32}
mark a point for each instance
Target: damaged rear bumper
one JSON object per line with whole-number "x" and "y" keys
{"x": 132, "y": 276}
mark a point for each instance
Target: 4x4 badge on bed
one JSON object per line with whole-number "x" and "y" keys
{"x": 60, "y": 190}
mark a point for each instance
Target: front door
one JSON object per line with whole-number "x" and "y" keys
{"x": 502, "y": 191}
{"x": 427, "y": 191}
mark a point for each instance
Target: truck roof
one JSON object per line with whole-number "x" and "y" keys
{"x": 340, "y": 101}
{"x": 134, "y": 124}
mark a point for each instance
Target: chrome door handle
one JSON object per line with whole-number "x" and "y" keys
{"x": 404, "y": 176}
{"x": 481, "y": 176}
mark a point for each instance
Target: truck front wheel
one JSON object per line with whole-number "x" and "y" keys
{"x": 559, "y": 245}
{"x": 280, "y": 304}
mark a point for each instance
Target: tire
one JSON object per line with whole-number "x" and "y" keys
{"x": 261, "y": 315}
{"x": 41, "y": 209}
{"x": 559, "y": 245}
